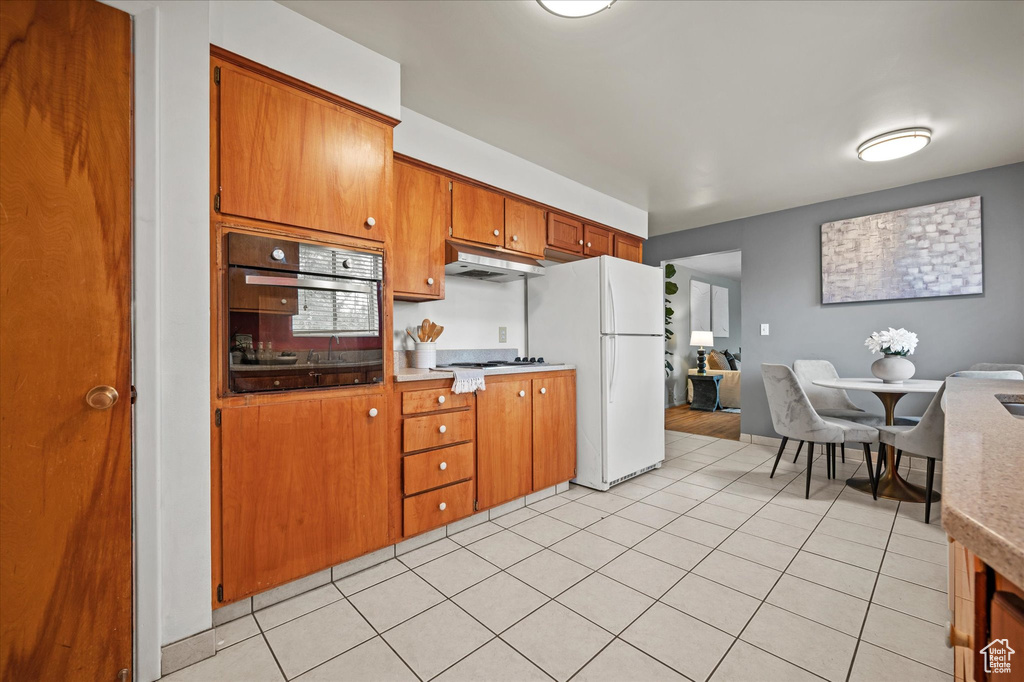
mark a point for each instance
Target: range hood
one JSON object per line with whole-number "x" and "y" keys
{"x": 474, "y": 262}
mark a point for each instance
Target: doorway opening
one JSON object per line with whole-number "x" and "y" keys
{"x": 703, "y": 312}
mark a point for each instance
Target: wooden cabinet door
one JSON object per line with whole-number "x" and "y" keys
{"x": 478, "y": 215}
{"x": 504, "y": 444}
{"x": 628, "y": 248}
{"x": 303, "y": 487}
{"x": 524, "y": 228}
{"x": 554, "y": 431}
{"x": 597, "y": 241}
{"x": 564, "y": 233}
{"x": 422, "y": 211}
{"x": 291, "y": 157}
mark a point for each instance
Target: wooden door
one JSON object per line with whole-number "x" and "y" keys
{"x": 422, "y": 217}
{"x": 503, "y": 433}
{"x": 292, "y": 157}
{"x": 628, "y": 248}
{"x": 565, "y": 234}
{"x": 524, "y": 228}
{"x": 65, "y": 297}
{"x": 554, "y": 431}
{"x": 478, "y": 215}
{"x": 597, "y": 241}
{"x": 303, "y": 488}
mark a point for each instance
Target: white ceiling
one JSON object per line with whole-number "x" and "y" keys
{"x": 702, "y": 112}
{"x": 725, "y": 264}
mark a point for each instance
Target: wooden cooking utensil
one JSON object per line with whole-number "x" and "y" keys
{"x": 411, "y": 335}
{"x": 423, "y": 329}
{"x": 437, "y": 332}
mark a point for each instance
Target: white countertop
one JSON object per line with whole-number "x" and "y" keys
{"x": 411, "y": 374}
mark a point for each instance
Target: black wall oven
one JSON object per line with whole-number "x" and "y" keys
{"x": 301, "y": 315}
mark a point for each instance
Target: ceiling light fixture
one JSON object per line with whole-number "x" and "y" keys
{"x": 895, "y": 144}
{"x": 574, "y": 9}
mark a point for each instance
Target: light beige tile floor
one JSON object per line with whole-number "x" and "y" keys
{"x": 707, "y": 569}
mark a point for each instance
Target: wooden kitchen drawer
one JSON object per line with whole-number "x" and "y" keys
{"x": 240, "y": 382}
{"x": 417, "y": 402}
{"x": 437, "y": 508}
{"x": 437, "y": 468}
{"x": 431, "y": 431}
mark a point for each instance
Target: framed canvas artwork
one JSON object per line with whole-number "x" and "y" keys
{"x": 919, "y": 252}
{"x": 720, "y": 311}
{"x": 700, "y": 306}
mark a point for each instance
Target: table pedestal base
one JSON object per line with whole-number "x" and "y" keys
{"x": 893, "y": 487}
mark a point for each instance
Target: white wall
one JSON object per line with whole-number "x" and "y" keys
{"x": 431, "y": 141}
{"x": 471, "y": 314}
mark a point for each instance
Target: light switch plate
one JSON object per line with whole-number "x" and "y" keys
{"x": 502, "y": 334}
{"x": 764, "y": 330}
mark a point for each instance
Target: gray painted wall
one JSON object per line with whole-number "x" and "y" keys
{"x": 782, "y": 286}
{"x": 684, "y": 356}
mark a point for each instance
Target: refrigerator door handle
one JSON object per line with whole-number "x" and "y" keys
{"x": 611, "y": 307}
{"x": 615, "y": 361}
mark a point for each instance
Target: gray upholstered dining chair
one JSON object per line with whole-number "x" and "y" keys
{"x": 794, "y": 417}
{"x": 996, "y": 367}
{"x": 833, "y": 403}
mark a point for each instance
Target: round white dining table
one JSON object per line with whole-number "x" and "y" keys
{"x": 891, "y": 485}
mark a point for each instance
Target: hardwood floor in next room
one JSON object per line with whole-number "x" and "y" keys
{"x": 716, "y": 424}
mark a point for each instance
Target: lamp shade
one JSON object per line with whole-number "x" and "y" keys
{"x": 702, "y": 339}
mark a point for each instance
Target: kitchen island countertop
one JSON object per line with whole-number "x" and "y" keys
{"x": 410, "y": 374}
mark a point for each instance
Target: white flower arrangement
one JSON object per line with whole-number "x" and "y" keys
{"x": 892, "y": 342}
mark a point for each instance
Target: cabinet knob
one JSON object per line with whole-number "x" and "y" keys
{"x": 522, "y": 394}
{"x": 588, "y": 245}
{"x": 581, "y": 242}
{"x": 496, "y": 233}
{"x": 284, "y": 301}
{"x": 443, "y": 428}
{"x": 370, "y": 221}
{"x": 347, "y": 263}
{"x": 276, "y": 382}
{"x": 373, "y": 411}
{"x": 443, "y": 466}
{"x": 442, "y": 506}
{"x": 430, "y": 280}
{"x": 440, "y": 400}
{"x": 277, "y": 254}
{"x": 515, "y": 237}
{"x": 957, "y": 637}
{"x": 543, "y": 391}
{"x": 101, "y": 397}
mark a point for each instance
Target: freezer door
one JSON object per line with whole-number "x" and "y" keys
{"x": 633, "y": 390}
{"x": 632, "y": 298}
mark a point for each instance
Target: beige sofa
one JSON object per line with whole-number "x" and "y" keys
{"x": 728, "y": 387}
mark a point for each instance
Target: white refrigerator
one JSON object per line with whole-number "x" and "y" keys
{"x": 606, "y": 316}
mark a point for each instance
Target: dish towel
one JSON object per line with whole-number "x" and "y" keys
{"x": 468, "y": 380}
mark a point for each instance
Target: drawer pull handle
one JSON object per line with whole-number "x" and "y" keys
{"x": 370, "y": 221}
{"x": 430, "y": 280}
{"x": 440, "y": 400}
{"x": 373, "y": 411}
{"x": 515, "y": 237}
{"x": 443, "y": 428}
{"x": 543, "y": 390}
{"x": 277, "y": 382}
{"x": 581, "y": 242}
{"x": 442, "y": 506}
{"x": 588, "y": 245}
{"x": 522, "y": 394}
{"x": 277, "y": 254}
{"x": 496, "y": 233}
{"x": 443, "y": 466}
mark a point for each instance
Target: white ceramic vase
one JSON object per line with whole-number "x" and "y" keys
{"x": 893, "y": 369}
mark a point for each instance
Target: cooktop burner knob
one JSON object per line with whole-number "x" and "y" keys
{"x": 540, "y": 359}
{"x": 532, "y": 360}
{"x": 518, "y": 359}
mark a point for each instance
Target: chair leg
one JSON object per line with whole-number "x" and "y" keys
{"x": 928, "y": 491}
{"x": 831, "y": 455}
{"x": 842, "y": 451}
{"x": 797, "y": 451}
{"x": 871, "y": 474}
{"x": 899, "y": 456}
{"x": 779, "y": 456}
{"x": 881, "y": 458}
{"x": 810, "y": 461}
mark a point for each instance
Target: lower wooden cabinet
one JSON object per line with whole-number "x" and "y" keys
{"x": 504, "y": 441}
{"x": 303, "y": 487}
{"x": 554, "y": 431}
{"x": 437, "y": 468}
{"x": 437, "y": 507}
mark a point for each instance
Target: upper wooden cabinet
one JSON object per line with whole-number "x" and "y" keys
{"x": 303, "y": 486}
{"x": 504, "y": 432}
{"x": 422, "y": 212}
{"x": 554, "y": 430}
{"x": 565, "y": 234}
{"x": 478, "y": 215}
{"x": 524, "y": 228}
{"x": 597, "y": 241}
{"x": 629, "y": 248}
{"x": 291, "y": 154}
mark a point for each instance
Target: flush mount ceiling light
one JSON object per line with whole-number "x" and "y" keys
{"x": 894, "y": 145}
{"x": 574, "y": 9}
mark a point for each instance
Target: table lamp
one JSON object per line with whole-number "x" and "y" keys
{"x": 701, "y": 339}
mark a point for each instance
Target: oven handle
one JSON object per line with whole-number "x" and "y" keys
{"x": 332, "y": 285}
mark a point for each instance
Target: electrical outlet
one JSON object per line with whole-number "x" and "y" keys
{"x": 764, "y": 330}
{"x": 502, "y": 334}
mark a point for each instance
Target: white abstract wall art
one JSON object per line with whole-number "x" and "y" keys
{"x": 916, "y": 252}
{"x": 719, "y": 311}
{"x": 700, "y": 306}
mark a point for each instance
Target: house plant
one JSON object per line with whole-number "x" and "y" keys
{"x": 671, "y": 288}
{"x": 894, "y": 345}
